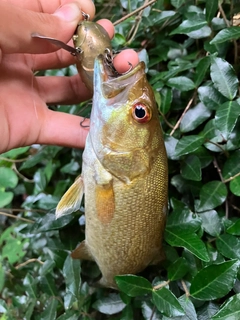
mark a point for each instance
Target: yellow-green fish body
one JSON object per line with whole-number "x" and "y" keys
{"x": 124, "y": 175}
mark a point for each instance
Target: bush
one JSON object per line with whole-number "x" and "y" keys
{"x": 193, "y": 65}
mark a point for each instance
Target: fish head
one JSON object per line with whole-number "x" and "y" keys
{"x": 124, "y": 115}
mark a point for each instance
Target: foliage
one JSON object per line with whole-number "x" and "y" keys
{"x": 193, "y": 64}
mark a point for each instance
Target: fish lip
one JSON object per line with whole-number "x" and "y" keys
{"x": 112, "y": 85}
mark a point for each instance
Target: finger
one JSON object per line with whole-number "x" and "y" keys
{"x": 41, "y": 5}
{"x": 67, "y": 90}
{"x": 125, "y": 60}
{"x": 16, "y": 37}
{"x": 63, "y": 129}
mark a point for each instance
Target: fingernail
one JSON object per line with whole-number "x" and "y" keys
{"x": 68, "y": 12}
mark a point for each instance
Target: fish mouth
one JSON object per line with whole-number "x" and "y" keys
{"x": 111, "y": 85}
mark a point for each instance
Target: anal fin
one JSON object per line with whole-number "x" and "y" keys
{"x": 82, "y": 252}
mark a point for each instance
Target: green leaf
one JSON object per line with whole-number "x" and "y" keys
{"x": 5, "y": 198}
{"x": 177, "y": 237}
{"x": 149, "y": 310}
{"x": 178, "y": 269}
{"x": 181, "y": 83}
{"x": 214, "y": 281}
{"x": 8, "y": 178}
{"x": 226, "y": 117}
{"x": 235, "y": 186}
{"x": 3, "y": 308}
{"x": 229, "y": 310}
{"x": 71, "y": 273}
{"x": 224, "y": 77}
{"x": 167, "y": 303}
{"x": 211, "y": 222}
{"x": 201, "y": 70}
{"x": 211, "y": 9}
{"x": 170, "y": 145}
{"x": 188, "y": 144}
{"x": 50, "y": 310}
{"x": 132, "y": 285}
{"x": 109, "y": 305}
{"x": 185, "y": 218}
{"x": 177, "y": 3}
{"x": 226, "y": 34}
{"x": 14, "y": 153}
{"x": 188, "y": 307}
{"x": 191, "y": 168}
{"x": 49, "y": 222}
{"x": 210, "y": 96}
{"x": 166, "y": 99}
{"x": 234, "y": 228}
{"x": 48, "y": 286}
{"x": 212, "y": 195}
{"x": 229, "y": 246}
{"x": 207, "y": 311}
{"x": 232, "y": 165}
{"x": 188, "y": 26}
{"x": 194, "y": 117}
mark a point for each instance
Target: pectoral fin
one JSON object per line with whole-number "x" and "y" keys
{"x": 82, "y": 252}
{"x": 71, "y": 200}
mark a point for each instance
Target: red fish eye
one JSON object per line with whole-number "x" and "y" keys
{"x": 141, "y": 113}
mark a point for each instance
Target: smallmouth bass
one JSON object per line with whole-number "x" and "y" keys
{"x": 124, "y": 177}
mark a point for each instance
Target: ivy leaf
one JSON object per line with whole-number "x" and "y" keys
{"x": 229, "y": 246}
{"x": 188, "y": 144}
{"x": 211, "y": 9}
{"x": 210, "y": 96}
{"x": 234, "y": 228}
{"x": 149, "y": 310}
{"x": 214, "y": 281}
{"x": 132, "y": 285}
{"x": 185, "y": 218}
{"x": 178, "y": 269}
{"x": 232, "y": 165}
{"x": 195, "y": 23}
{"x": 109, "y": 305}
{"x": 191, "y": 168}
{"x": 229, "y": 310}
{"x": 194, "y": 117}
{"x": 71, "y": 273}
{"x": 166, "y": 99}
{"x": 212, "y": 195}
{"x": 167, "y": 303}
{"x": 5, "y": 198}
{"x": 226, "y": 34}
{"x": 211, "y": 222}
{"x": 188, "y": 307}
{"x": 181, "y": 83}
{"x": 226, "y": 117}
{"x": 235, "y": 186}
{"x": 8, "y": 178}
{"x": 224, "y": 77}
{"x": 50, "y": 310}
{"x": 188, "y": 240}
{"x": 201, "y": 70}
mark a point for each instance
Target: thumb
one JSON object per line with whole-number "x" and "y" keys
{"x": 16, "y": 37}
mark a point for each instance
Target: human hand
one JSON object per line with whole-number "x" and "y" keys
{"x": 24, "y": 116}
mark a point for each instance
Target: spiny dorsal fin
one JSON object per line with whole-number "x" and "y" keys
{"x": 71, "y": 200}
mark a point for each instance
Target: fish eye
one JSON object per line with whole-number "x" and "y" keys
{"x": 141, "y": 113}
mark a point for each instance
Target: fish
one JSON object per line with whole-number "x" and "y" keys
{"x": 124, "y": 177}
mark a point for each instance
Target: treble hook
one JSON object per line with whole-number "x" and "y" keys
{"x": 82, "y": 125}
